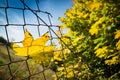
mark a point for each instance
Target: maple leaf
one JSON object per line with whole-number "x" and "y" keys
{"x": 34, "y": 48}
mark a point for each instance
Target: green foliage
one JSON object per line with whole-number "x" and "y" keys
{"x": 93, "y": 28}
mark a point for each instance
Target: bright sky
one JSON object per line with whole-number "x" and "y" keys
{"x": 56, "y": 7}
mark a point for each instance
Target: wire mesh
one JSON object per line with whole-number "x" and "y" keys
{"x": 13, "y": 22}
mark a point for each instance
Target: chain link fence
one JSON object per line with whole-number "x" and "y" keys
{"x": 14, "y": 19}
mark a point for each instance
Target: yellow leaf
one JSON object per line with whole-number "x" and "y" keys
{"x": 94, "y": 5}
{"x": 117, "y": 34}
{"x": 93, "y": 30}
{"x": 62, "y": 27}
{"x": 70, "y": 73}
{"x": 60, "y": 68}
{"x": 95, "y": 27}
{"x": 58, "y": 56}
{"x": 28, "y": 51}
{"x": 21, "y": 51}
{"x": 48, "y": 49}
{"x": 34, "y": 48}
{"x": 41, "y": 40}
{"x": 100, "y": 52}
{"x": 114, "y": 60}
{"x": 27, "y": 39}
{"x": 118, "y": 45}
